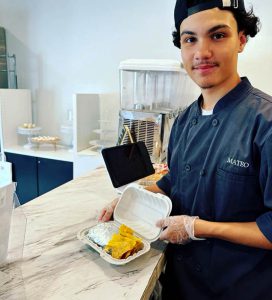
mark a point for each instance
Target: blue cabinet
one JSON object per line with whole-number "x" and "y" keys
{"x": 36, "y": 176}
{"x": 53, "y": 173}
{"x": 24, "y": 172}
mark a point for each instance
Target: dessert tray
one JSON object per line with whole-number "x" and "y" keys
{"x": 38, "y": 140}
{"x": 30, "y": 130}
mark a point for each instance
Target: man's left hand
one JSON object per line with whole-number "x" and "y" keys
{"x": 177, "y": 229}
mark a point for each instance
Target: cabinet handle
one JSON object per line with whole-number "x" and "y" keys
{"x": 39, "y": 161}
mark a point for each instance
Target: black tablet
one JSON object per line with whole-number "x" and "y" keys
{"x": 127, "y": 163}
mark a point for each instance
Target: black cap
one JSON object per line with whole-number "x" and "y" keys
{"x": 185, "y": 8}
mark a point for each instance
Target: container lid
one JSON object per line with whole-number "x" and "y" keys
{"x": 151, "y": 65}
{"x": 140, "y": 209}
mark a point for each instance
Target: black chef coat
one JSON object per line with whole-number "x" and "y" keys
{"x": 221, "y": 170}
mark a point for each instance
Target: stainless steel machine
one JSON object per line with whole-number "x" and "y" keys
{"x": 153, "y": 92}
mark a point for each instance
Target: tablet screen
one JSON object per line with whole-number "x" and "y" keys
{"x": 127, "y": 163}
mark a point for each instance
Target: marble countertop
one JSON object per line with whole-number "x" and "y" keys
{"x": 44, "y": 151}
{"x": 88, "y": 152}
{"x": 56, "y": 265}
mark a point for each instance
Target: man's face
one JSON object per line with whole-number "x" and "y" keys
{"x": 210, "y": 44}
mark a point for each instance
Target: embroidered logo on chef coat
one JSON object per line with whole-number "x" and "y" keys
{"x": 237, "y": 162}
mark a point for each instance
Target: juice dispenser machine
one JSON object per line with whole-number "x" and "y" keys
{"x": 153, "y": 92}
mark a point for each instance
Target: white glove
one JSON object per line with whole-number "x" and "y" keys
{"x": 178, "y": 229}
{"x": 106, "y": 213}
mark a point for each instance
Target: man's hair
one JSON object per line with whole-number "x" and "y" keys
{"x": 246, "y": 22}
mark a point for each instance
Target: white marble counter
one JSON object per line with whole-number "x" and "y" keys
{"x": 88, "y": 152}
{"x": 57, "y": 266}
{"x": 44, "y": 151}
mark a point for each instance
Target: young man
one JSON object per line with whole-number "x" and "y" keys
{"x": 220, "y": 162}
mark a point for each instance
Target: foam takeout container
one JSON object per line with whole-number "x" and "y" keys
{"x": 138, "y": 209}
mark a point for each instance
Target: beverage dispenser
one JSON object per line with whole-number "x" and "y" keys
{"x": 153, "y": 92}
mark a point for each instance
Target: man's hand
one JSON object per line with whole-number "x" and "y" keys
{"x": 177, "y": 229}
{"x": 106, "y": 213}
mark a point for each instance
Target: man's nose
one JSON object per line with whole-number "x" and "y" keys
{"x": 203, "y": 50}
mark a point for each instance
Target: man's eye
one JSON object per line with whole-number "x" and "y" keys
{"x": 218, "y": 36}
{"x": 189, "y": 40}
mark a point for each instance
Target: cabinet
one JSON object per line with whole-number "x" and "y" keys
{"x": 36, "y": 176}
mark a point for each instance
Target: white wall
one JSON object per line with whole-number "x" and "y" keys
{"x": 65, "y": 47}
{"x": 256, "y": 60}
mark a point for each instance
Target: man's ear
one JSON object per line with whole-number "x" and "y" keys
{"x": 243, "y": 41}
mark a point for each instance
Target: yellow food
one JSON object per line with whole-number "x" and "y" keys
{"x": 28, "y": 125}
{"x": 124, "y": 243}
{"x": 160, "y": 171}
{"x": 125, "y": 230}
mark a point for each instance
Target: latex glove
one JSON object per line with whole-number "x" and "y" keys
{"x": 106, "y": 213}
{"x": 178, "y": 229}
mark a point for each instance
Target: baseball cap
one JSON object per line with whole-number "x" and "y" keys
{"x": 185, "y": 8}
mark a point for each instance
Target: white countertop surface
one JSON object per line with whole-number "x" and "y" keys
{"x": 88, "y": 152}
{"x": 44, "y": 151}
{"x": 56, "y": 265}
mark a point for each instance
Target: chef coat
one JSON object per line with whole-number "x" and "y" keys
{"x": 221, "y": 170}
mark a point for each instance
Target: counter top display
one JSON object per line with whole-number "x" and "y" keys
{"x": 56, "y": 265}
{"x": 45, "y": 152}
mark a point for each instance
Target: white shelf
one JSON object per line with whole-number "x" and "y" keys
{"x": 94, "y": 114}
{"x": 16, "y": 110}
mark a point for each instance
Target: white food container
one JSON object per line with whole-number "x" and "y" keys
{"x": 138, "y": 209}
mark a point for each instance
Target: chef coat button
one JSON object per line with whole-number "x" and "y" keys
{"x": 215, "y": 122}
{"x": 187, "y": 168}
{"x": 202, "y": 172}
{"x": 180, "y": 258}
{"x": 198, "y": 268}
{"x": 194, "y": 121}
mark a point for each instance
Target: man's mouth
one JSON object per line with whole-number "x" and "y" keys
{"x": 204, "y": 66}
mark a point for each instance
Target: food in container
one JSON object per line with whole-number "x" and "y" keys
{"x": 101, "y": 233}
{"x": 160, "y": 171}
{"x": 137, "y": 211}
{"x": 124, "y": 243}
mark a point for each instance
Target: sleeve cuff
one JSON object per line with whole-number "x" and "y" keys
{"x": 264, "y": 222}
{"x": 164, "y": 184}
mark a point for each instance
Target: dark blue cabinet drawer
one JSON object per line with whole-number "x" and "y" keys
{"x": 36, "y": 176}
{"x": 24, "y": 172}
{"x": 53, "y": 173}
